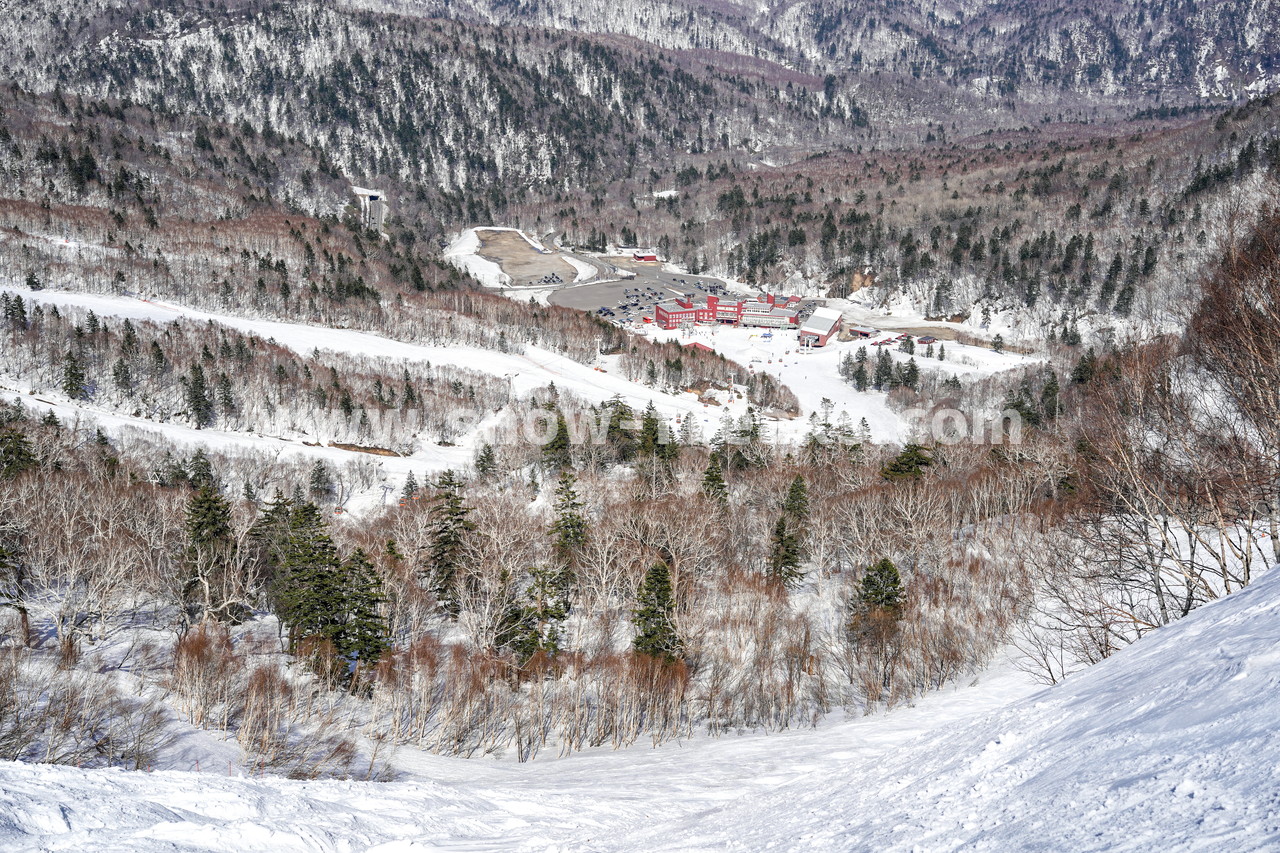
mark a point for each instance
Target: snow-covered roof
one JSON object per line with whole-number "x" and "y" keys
{"x": 823, "y": 321}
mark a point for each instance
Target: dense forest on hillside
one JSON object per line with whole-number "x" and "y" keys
{"x": 788, "y": 178}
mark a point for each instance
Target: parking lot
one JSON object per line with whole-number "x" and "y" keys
{"x": 628, "y": 301}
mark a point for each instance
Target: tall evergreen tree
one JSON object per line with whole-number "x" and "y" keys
{"x": 200, "y": 471}
{"x": 650, "y": 439}
{"x": 320, "y": 482}
{"x": 713, "y": 485}
{"x": 860, "y": 380}
{"x": 74, "y": 380}
{"x": 16, "y": 455}
{"x": 881, "y": 586}
{"x": 911, "y": 374}
{"x": 557, "y": 453}
{"x": 569, "y": 529}
{"x": 655, "y": 632}
{"x": 486, "y": 461}
{"x": 309, "y": 591}
{"x": 796, "y": 503}
{"x": 362, "y": 630}
{"x": 199, "y": 402}
{"x": 786, "y": 545}
{"x": 884, "y": 370}
{"x": 449, "y": 528}
{"x": 410, "y": 490}
{"x": 1050, "y": 404}
{"x": 785, "y": 554}
{"x": 209, "y": 556}
{"x": 269, "y": 535}
{"x": 534, "y": 625}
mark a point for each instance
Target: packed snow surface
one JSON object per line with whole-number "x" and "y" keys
{"x": 463, "y": 253}
{"x": 1169, "y": 745}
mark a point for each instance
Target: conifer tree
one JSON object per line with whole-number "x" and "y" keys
{"x": 713, "y": 484}
{"x": 650, "y": 439}
{"x": 362, "y": 633}
{"x": 881, "y": 586}
{"x": 128, "y": 339}
{"x": 786, "y": 545}
{"x": 486, "y": 463}
{"x": 796, "y": 503}
{"x": 199, "y": 403}
{"x": 908, "y": 464}
{"x": 209, "y": 554}
{"x": 15, "y": 313}
{"x": 320, "y": 482}
{"x": 534, "y": 625}
{"x": 449, "y": 527}
{"x": 410, "y": 490}
{"x": 122, "y": 376}
{"x": 16, "y": 455}
{"x": 785, "y": 554}
{"x": 569, "y": 529}
{"x": 860, "y": 379}
{"x": 309, "y": 590}
{"x": 74, "y": 381}
{"x": 1049, "y": 402}
{"x": 200, "y": 470}
{"x": 911, "y": 374}
{"x": 655, "y": 632}
{"x": 884, "y": 370}
{"x": 1086, "y": 368}
{"x": 270, "y": 533}
{"x": 556, "y": 454}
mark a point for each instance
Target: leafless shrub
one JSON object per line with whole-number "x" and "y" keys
{"x": 204, "y": 674}
{"x": 53, "y": 715}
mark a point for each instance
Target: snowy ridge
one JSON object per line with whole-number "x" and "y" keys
{"x": 1168, "y": 745}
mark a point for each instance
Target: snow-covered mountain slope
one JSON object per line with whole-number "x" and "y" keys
{"x": 1169, "y": 745}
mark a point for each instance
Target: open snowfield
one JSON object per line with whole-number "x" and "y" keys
{"x": 463, "y": 253}
{"x": 814, "y": 373}
{"x": 1170, "y": 745}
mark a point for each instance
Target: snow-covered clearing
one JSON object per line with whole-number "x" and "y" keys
{"x": 814, "y": 373}
{"x": 463, "y": 253}
{"x": 1168, "y": 745}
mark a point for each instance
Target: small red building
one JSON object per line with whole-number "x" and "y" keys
{"x": 644, "y": 256}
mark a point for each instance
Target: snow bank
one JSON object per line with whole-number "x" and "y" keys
{"x": 463, "y": 253}
{"x": 585, "y": 270}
